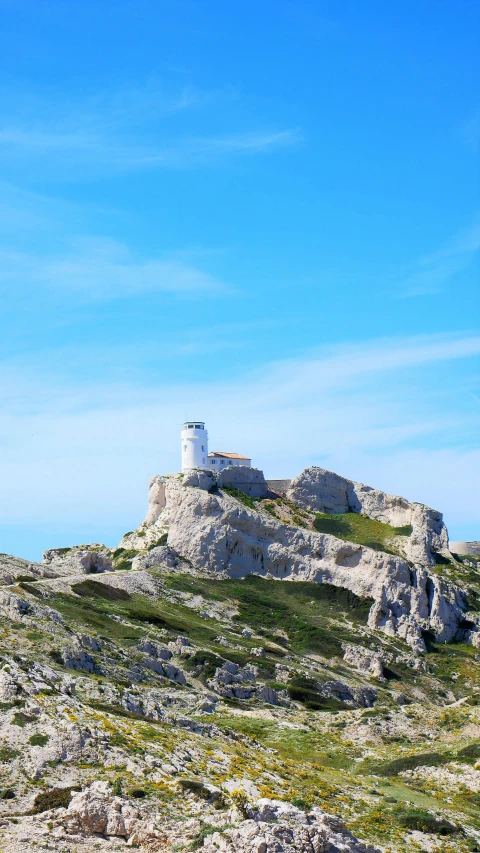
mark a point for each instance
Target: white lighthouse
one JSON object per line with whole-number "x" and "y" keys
{"x": 194, "y": 445}
{"x": 195, "y": 451}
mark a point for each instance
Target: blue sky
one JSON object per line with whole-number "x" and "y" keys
{"x": 264, "y": 214}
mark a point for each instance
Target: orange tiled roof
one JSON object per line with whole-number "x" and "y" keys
{"x": 228, "y": 455}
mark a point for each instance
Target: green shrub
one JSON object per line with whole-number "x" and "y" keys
{"x": 162, "y": 541}
{"x": 470, "y": 752}
{"x": 195, "y": 787}
{"x": 242, "y": 497}
{"x": 7, "y": 753}
{"x": 21, "y": 719}
{"x": 410, "y": 762}
{"x": 55, "y": 798}
{"x": 300, "y": 803}
{"x": 7, "y": 794}
{"x": 423, "y": 821}
{"x": 306, "y": 691}
{"x": 39, "y": 740}
{"x": 206, "y": 830}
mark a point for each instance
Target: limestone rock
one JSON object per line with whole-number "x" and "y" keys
{"x": 83, "y": 559}
{"x": 365, "y": 660}
{"x": 248, "y": 480}
{"x": 154, "y": 650}
{"x": 199, "y": 479}
{"x": 268, "y": 694}
{"x": 218, "y": 533}
{"x": 74, "y": 657}
{"x": 181, "y": 646}
{"x": 161, "y": 555}
{"x": 13, "y": 606}
{"x": 277, "y": 826}
{"x": 324, "y": 491}
{"x": 156, "y": 499}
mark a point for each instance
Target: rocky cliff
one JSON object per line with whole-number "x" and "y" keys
{"x": 324, "y": 491}
{"x": 214, "y": 531}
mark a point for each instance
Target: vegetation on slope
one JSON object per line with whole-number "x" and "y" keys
{"x": 361, "y": 530}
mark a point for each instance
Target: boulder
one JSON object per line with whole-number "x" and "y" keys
{"x": 248, "y": 480}
{"x": 365, "y": 661}
{"x": 82, "y": 559}
{"x": 199, "y": 479}
{"x": 161, "y": 555}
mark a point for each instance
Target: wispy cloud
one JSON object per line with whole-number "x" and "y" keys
{"x": 364, "y": 410}
{"x": 130, "y": 129}
{"x": 431, "y": 273}
{"x": 102, "y": 269}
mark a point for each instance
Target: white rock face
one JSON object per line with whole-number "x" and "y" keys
{"x": 277, "y": 826}
{"x": 88, "y": 559}
{"x": 465, "y": 548}
{"x": 95, "y": 811}
{"x": 323, "y": 491}
{"x": 365, "y": 660}
{"x": 216, "y": 532}
{"x": 248, "y": 480}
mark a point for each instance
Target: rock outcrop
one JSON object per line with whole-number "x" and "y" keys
{"x": 214, "y": 531}
{"x": 324, "y": 491}
{"x": 277, "y": 826}
{"x": 365, "y": 661}
{"x": 82, "y": 559}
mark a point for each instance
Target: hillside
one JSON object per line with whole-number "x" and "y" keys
{"x": 247, "y": 671}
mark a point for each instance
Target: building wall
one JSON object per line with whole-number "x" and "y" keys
{"x": 220, "y": 462}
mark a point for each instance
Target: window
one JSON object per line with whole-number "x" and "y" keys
{"x": 184, "y": 448}
{"x": 203, "y": 448}
{"x": 190, "y": 426}
{"x": 198, "y": 426}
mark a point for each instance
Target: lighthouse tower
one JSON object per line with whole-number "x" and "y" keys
{"x": 194, "y": 445}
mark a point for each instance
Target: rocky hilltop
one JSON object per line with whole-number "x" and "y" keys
{"x": 250, "y": 671}
{"x": 208, "y": 526}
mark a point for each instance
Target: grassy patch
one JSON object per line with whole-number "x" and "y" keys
{"x": 161, "y": 541}
{"x": 242, "y": 497}
{"x": 39, "y": 740}
{"x": 95, "y": 589}
{"x": 7, "y": 753}
{"x": 361, "y": 530}
{"x": 410, "y": 762}
{"x": 470, "y": 753}
{"x": 122, "y": 558}
{"x": 304, "y": 610}
{"x": 424, "y": 821}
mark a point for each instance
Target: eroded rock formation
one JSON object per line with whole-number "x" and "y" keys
{"x": 214, "y": 531}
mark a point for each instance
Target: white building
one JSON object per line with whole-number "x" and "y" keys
{"x": 195, "y": 450}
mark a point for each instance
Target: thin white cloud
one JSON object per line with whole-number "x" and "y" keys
{"x": 126, "y": 130}
{"x": 364, "y": 410}
{"x": 102, "y": 269}
{"x": 431, "y": 273}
